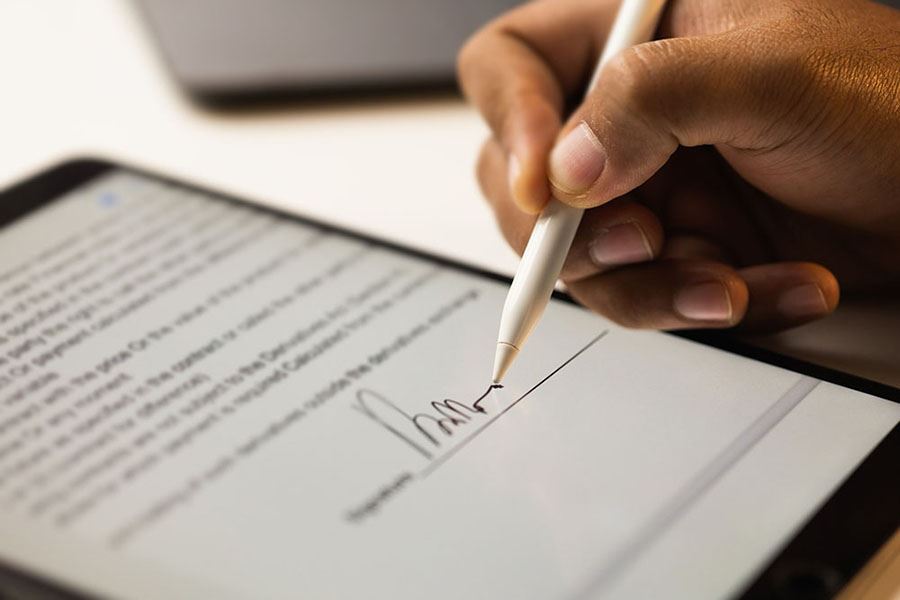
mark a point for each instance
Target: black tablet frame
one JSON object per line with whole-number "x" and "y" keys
{"x": 830, "y": 548}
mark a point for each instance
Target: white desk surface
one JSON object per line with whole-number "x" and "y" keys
{"x": 83, "y": 78}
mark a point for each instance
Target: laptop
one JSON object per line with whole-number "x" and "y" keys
{"x": 230, "y": 50}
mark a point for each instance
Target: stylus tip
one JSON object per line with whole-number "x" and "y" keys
{"x": 503, "y": 359}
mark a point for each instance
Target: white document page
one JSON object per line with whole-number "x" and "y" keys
{"x": 201, "y": 399}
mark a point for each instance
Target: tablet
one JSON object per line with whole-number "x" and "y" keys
{"x": 204, "y": 398}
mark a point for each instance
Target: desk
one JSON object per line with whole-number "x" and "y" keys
{"x": 84, "y": 78}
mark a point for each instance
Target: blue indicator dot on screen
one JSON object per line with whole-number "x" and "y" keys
{"x": 108, "y": 200}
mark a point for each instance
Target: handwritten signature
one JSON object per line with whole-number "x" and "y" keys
{"x": 422, "y": 431}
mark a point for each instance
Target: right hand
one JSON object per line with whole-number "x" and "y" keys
{"x": 735, "y": 170}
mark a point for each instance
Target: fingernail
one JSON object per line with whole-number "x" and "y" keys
{"x": 621, "y": 244}
{"x": 802, "y": 301}
{"x": 577, "y": 160}
{"x": 704, "y": 302}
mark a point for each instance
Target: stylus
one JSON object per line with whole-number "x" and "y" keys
{"x": 552, "y": 235}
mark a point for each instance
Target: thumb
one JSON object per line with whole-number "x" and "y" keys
{"x": 647, "y": 101}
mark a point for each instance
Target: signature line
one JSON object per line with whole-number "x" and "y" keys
{"x": 440, "y": 461}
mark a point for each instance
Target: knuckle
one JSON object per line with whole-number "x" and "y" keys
{"x": 625, "y": 313}
{"x": 632, "y": 88}
{"x": 635, "y": 72}
{"x": 613, "y": 304}
{"x": 658, "y": 86}
{"x": 475, "y": 49}
{"x": 814, "y": 85}
{"x": 624, "y": 75}
{"x": 467, "y": 60}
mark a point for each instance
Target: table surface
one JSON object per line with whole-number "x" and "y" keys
{"x": 84, "y": 78}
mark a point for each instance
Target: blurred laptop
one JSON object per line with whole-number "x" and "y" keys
{"x": 225, "y": 51}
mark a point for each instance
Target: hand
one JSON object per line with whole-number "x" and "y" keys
{"x": 735, "y": 170}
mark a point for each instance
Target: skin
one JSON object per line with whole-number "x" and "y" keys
{"x": 753, "y": 147}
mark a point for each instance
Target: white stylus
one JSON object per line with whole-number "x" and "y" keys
{"x": 552, "y": 236}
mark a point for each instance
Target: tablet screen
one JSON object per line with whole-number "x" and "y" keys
{"x": 199, "y": 398}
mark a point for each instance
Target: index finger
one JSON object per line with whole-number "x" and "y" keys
{"x": 518, "y": 71}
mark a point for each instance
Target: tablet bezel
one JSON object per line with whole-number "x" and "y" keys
{"x": 829, "y": 549}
